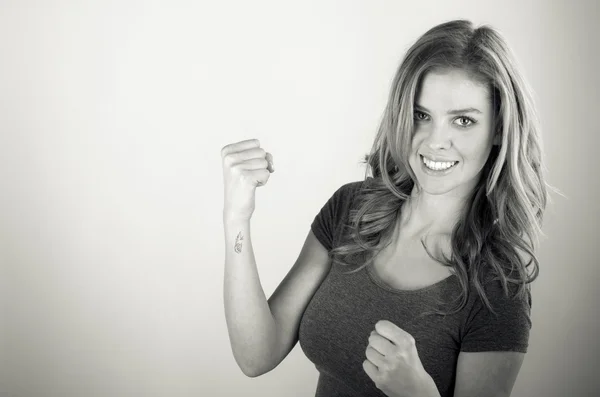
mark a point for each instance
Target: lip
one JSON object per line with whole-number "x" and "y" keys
{"x": 438, "y": 172}
{"x": 436, "y": 159}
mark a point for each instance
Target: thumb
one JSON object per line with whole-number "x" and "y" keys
{"x": 269, "y": 158}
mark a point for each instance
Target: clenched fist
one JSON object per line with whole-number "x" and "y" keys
{"x": 245, "y": 166}
{"x": 393, "y": 363}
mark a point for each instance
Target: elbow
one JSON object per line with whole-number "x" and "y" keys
{"x": 253, "y": 371}
{"x": 254, "y": 361}
{"x": 253, "y": 368}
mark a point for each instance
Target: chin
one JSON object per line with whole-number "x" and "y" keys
{"x": 436, "y": 190}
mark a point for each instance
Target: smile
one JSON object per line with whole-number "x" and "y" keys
{"x": 438, "y": 165}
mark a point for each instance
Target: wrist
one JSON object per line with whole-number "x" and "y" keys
{"x": 430, "y": 388}
{"x": 234, "y": 218}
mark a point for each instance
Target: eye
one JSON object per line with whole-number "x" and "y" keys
{"x": 465, "y": 121}
{"x": 420, "y": 116}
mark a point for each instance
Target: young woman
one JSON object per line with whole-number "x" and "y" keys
{"x": 414, "y": 281}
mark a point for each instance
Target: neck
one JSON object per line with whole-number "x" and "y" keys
{"x": 432, "y": 213}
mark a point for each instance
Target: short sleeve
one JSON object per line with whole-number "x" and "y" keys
{"x": 507, "y": 330}
{"x": 328, "y": 224}
{"x": 325, "y": 222}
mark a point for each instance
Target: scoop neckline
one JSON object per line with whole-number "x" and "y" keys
{"x": 374, "y": 277}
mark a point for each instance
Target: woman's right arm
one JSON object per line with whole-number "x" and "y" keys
{"x": 262, "y": 332}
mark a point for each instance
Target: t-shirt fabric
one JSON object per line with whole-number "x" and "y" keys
{"x": 336, "y": 324}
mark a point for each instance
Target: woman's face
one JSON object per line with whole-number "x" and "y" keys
{"x": 453, "y": 132}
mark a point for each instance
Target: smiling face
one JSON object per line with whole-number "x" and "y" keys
{"x": 453, "y": 133}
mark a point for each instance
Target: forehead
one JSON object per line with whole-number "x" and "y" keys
{"x": 452, "y": 89}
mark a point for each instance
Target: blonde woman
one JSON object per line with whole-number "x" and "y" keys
{"x": 416, "y": 280}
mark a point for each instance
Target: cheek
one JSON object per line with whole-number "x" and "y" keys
{"x": 477, "y": 153}
{"x": 417, "y": 139}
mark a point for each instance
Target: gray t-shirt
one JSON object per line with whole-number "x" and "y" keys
{"x": 335, "y": 327}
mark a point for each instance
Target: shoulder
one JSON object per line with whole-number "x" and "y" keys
{"x": 353, "y": 187}
{"x": 345, "y": 194}
{"x": 337, "y": 207}
{"x": 499, "y": 296}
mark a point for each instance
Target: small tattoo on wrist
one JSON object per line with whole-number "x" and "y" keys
{"x": 238, "y": 243}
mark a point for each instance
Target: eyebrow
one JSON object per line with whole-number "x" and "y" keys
{"x": 454, "y": 111}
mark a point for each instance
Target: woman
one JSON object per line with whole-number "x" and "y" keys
{"x": 414, "y": 281}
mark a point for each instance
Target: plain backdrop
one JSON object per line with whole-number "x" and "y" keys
{"x": 112, "y": 118}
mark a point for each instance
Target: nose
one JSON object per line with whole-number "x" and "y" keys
{"x": 439, "y": 138}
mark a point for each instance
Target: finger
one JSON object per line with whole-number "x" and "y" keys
{"x": 239, "y": 146}
{"x": 392, "y": 332}
{"x": 258, "y": 177}
{"x": 381, "y": 344}
{"x": 370, "y": 369}
{"x": 374, "y": 356}
{"x": 253, "y": 164}
{"x": 248, "y": 154}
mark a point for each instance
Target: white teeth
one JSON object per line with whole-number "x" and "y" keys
{"x": 438, "y": 165}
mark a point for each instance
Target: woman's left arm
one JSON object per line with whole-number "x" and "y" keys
{"x": 493, "y": 346}
{"x": 490, "y": 373}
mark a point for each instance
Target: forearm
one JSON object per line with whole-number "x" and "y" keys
{"x": 250, "y": 323}
{"x": 425, "y": 387}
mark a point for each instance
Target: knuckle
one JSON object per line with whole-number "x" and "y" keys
{"x": 228, "y": 159}
{"x": 235, "y": 169}
{"x": 372, "y": 340}
{"x": 401, "y": 354}
{"x": 224, "y": 150}
{"x": 381, "y": 380}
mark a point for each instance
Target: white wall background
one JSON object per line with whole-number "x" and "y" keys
{"x": 112, "y": 117}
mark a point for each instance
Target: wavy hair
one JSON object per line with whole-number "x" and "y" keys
{"x": 498, "y": 231}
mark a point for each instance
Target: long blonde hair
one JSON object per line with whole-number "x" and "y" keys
{"x": 499, "y": 229}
